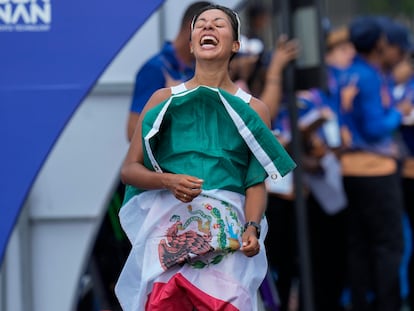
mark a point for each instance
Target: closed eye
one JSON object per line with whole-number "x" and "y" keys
{"x": 218, "y": 22}
{"x": 199, "y": 24}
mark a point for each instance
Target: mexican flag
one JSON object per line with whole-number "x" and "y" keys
{"x": 186, "y": 256}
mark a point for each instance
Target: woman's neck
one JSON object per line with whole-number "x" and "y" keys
{"x": 214, "y": 76}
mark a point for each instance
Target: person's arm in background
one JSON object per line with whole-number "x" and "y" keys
{"x": 286, "y": 50}
{"x": 148, "y": 79}
{"x": 377, "y": 121}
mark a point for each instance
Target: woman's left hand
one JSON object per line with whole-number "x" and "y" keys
{"x": 250, "y": 246}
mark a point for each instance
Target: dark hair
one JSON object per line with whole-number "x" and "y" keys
{"x": 365, "y": 32}
{"x": 256, "y": 10}
{"x": 234, "y": 18}
{"x": 397, "y": 34}
{"x": 192, "y": 10}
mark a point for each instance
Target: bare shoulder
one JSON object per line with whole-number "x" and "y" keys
{"x": 258, "y": 105}
{"x": 158, "y": 96}
{"x": 261, "y": 108}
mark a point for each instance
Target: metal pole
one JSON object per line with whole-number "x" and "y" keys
{"x": 306, "y": 292}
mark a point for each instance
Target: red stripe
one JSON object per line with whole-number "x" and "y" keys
{"x": 178, "y": 294}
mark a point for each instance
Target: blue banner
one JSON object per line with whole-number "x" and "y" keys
{"x": 51, "y": 54}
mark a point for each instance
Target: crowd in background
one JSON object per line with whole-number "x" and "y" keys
{"x": 357, "y": 137}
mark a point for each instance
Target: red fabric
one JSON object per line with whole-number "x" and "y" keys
{"x": 178, "y": 294}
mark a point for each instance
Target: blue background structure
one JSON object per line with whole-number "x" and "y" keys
{"x": 44, "y": 76}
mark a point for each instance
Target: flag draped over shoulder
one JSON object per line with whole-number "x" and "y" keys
{"x": 186, "y": 255}
{"x": 261, "y": 141}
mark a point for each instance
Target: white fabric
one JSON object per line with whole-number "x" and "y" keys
{"x": 246, "y": 97}
{"x": 328, "y": 188}
{"x": 146, "y": 218}
{"x": 178, "y": 88}
{"x": 284, "y": 185}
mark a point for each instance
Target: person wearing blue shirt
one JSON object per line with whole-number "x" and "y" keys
{"x": 397, "y": 91}
{"x": 403, "y": 93}
{"x": 371, "y": 180}
{"x": 170, "y": 66}
{"x": 398, "y": 44}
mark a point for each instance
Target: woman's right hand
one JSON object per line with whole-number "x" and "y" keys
{"x": 184, "y": 187}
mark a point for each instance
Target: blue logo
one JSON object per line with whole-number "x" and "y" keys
{"x": 25, "y": 15}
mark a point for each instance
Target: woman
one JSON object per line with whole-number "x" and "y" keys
{"x": 195, "y": 212}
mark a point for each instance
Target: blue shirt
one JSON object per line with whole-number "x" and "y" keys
{"x": 399, "y": 93}
{"x": 337, "y": 79}
{"x": 370, "y": 123}
{"x": 151, "y": 76}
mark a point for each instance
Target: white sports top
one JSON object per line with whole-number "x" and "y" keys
{"x": 246, "y": 97}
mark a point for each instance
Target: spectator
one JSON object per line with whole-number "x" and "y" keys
{"x": 396, "y": 92}
{"x": 258, "y": 21}
{"x": 271, "y": 91}
{"x": 402, "y": 92}
{"x": 280, "y": 213}
{"x": 398, "y": 43}
{"x": 319, "y": 123}
{"x": 257, "y": 31}
{"x": 370, "y": 177}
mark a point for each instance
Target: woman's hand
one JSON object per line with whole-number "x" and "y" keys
{"x": 250, "y": 243}
{"x": 184, "y": 187}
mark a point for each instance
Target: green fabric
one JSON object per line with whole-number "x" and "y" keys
{"x": 198, "y": 137}
{"x": 130, "y": 192}
{"x": 271, "y": 146}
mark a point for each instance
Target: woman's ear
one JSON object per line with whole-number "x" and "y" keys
{"x": 236, "y": 46}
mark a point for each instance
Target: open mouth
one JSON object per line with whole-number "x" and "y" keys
{"x": 208, "y": 41}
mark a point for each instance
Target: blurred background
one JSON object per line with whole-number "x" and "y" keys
{"x": 67, "y": 248}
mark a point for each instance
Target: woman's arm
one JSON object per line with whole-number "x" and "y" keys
{"x": 133, "y": 171}
{"x": 255, "y": 206}
{"x": 262, "y": 110}
{"x": 256, "y": 195}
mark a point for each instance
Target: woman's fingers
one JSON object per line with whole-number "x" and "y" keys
{"x": 187, "y": 188}
{"x": 250, "y": 246}
{"x": 251, "y": 252}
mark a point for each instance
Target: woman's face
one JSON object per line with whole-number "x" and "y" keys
{"x": 212, "y": 36}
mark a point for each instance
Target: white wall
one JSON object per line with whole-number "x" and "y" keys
{"x": 49, "y": 249}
